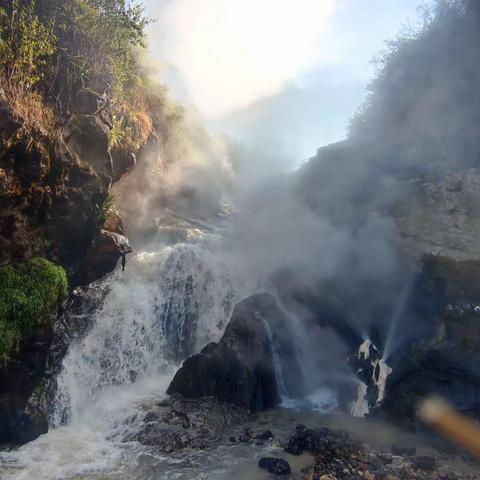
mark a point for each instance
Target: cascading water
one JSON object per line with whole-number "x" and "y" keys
{"x": 277, "y": 363}
{"x": 168, "y": 305}
{"x": 165, "y": 306}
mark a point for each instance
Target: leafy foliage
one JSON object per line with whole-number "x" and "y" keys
{"x": 426, "y": 97}
{"x": 29, "y": 294}
{"x": 107, "y": 207}
{"x": 51, "y": 50}
{"x": 26, "y": 43}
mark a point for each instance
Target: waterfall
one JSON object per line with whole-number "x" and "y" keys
{"x": 277, "y": 363}
{"x": 166, "y": 306}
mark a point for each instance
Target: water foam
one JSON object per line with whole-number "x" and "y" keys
{"x": 164, "y": 307}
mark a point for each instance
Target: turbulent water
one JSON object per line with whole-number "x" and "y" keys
{"x": 167, "y": 305}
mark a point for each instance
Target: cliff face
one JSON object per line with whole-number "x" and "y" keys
{"x": 411, "y": 163}
{"x": 53, "y": 189}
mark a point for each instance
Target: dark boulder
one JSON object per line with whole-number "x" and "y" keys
{"x": 240, "y": 368}
{"x": 17, "y": 383}
{"x": 86, "y": 137}
{"x": 87, "y": 102}
{"x": 102, "y": 256}
{"x": 307, "y": 440}
{"x": 123, "y": 162}
{"x": 178, "y": 423}
{"x": 266, "y": 435}
{"x": 439, "y": 371}
{"x": 276, "y": 466}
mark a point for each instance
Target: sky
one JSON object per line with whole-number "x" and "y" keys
{"x": 282, "y": 77}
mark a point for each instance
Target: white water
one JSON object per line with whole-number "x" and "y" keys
{"x": 167, "y": 305}
{"x": 164, "y": 307}
{"x": 380, "y": 380}
{"x": 381, "y": 371}
{"x": 360, "y": 407}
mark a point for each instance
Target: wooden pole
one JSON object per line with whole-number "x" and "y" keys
{"x": 453, "y": 425}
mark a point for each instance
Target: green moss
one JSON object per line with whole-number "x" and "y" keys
{"x": 29, "y": 293}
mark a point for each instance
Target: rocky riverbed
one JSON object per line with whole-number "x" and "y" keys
{"x": 206, "y": 439}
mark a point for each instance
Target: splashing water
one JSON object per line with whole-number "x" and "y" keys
{"x": 164, "y": 307}
{"x": 169, "y": 305}
{"x": 277, "y": 363}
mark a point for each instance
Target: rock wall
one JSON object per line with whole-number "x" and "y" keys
{"x": 52, "y": 190}
{"x": 52, "y": 195}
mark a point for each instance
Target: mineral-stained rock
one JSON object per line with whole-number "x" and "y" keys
{"x": 276, "y": 466}
{"x": 239, "y": 369}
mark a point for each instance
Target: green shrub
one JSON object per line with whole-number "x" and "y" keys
{"x": 26, "y": 43}
{"x": 29, "y": 294}
{"x": 107, "y": 207}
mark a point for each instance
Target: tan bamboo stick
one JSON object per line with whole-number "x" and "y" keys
{"x": 453, "y": 425}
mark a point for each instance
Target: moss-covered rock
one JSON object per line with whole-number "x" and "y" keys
{"x": 29, "y": 294}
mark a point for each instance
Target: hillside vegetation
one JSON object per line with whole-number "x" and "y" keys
{"x": 421, "y": 114}
{"x": 53, "y": 52}
{"x": 29, "y": 295}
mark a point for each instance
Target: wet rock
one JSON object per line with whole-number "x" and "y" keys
{"x": 443, "y": 371}
{"x": 266, "y": 435}
{"x": 103, "y": 256}
{"x": 425, "y": 463}
{"x": 403, "y": 451}
{"x": 178, "y": 423}
{"x": 72, "y": 323}
{"x": 342, "y": 458}
{"x": 276, "y": 466}
{"x": 239, "y": 369}
{"x": 17, "y": 383}
{"x": 305, "y": 439}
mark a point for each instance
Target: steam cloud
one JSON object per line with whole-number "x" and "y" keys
{"x": 326, "y": 238}
{"x": 230, "y": 54}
